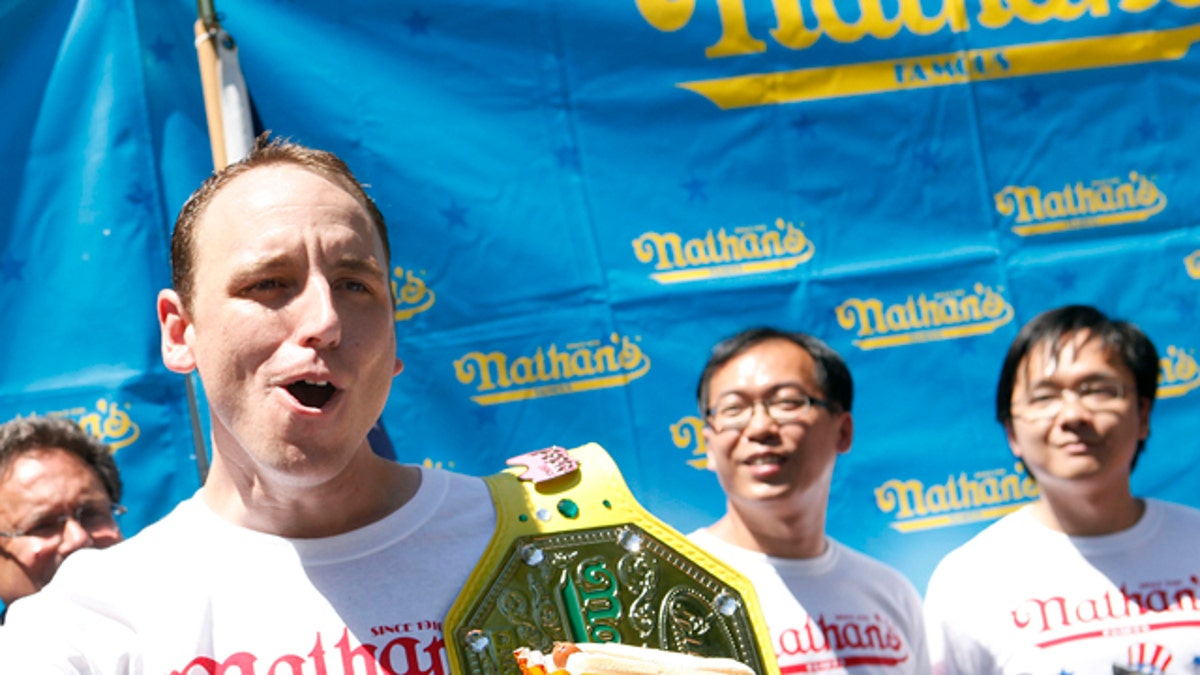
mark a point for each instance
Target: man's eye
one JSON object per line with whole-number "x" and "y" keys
{"x": 356, "y": 286}
{"x": 732, "y": 410}
{"x": 91, "y": 517}
{"x": 1044, "y": 396}
{"x": 45, "y": 528}
{"x": 787, "y": 404}
{"x": 1101, "y": 391}
{"x": 265, "y": 285}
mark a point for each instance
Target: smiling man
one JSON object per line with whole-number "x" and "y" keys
{"x": 1088, "y": 579}
{"x": 304, "y": 551}
{"x": 776, "y": 407}
{"x": 59, "y": 489}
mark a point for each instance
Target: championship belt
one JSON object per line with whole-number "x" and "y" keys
{"x": 575, "y": 559}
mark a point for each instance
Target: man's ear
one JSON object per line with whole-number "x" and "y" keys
{"x": 176, "y": 333}
{"x": 845, "y": 433}
{"x": 1012, "y": 439}
{"x": 706, "y": 433}
{"x": 1143, "y": 418}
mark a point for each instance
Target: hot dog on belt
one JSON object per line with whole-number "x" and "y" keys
{"x": 607, "y": 658}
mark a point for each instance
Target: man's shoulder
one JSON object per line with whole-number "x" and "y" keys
{"x": 1174, "y": 510}
{"x": 867, "y": 567}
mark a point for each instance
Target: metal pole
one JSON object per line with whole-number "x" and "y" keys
{"x": 206, "y": 12}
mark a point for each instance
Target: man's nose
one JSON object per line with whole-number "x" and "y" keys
{"x": 318, "y": 322}
{"x": 761, "y": 422}
{"x": 74, "y": 537}
{"x": 1072, "y": 407}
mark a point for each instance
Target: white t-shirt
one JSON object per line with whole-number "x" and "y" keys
{"x": 196, "y": 595}
{"x": 841, "y": 612}
{"x": 1022, "y": 598}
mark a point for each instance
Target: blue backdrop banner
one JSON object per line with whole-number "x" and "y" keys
{"x": 584, "y": 196}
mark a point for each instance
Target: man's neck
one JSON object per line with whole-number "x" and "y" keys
{"x": 796, "y": 535}
{"x": 369, "y": 489}
{"x": 1088, "y": 515}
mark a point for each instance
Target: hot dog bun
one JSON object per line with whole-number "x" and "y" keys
{"x": 591, "y": 658}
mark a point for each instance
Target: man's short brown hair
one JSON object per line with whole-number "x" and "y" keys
{"x": 266, "y": 152}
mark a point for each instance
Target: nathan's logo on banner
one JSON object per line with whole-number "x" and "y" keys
{"x": 1178, "y": 372}
{"x": 552, "y": 371}
{"x": 1192, "y": 264}
{"x": 1099, "y": 203}
{"x": 799, "y": 24}
{"x": 687, "y": 434}
{"x": 947, "y": 315}
{"x": 108, "y": 422}
{"x": 746, "y": 250}
{"x": 985, "y": 495}
{"x": 411, "y": 298}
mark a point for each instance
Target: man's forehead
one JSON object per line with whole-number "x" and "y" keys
{"x": 1049, "y": 356}
{"x": 273, "y": 185}
{"x": 768, "y": 363}
{"x": 279, "y": 194}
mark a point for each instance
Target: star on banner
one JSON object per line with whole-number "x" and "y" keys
{"x": 926, "y": 159}
{"x": 162, "y": 50}
{"x": 139, "y": 196}
{"x": 568, "y": 157}
{"x": 1066, "y": 279}
{"x": 1030, "y": 97}
{"x": 803, "y": 126}
{"x": 455, "y": 215}
{"x": 10, "y": 268}
{"x": 695, "y": 190}
{"x": 484, "y": 416}
{"x": 1148, "y": 130}
{"x": 418, "y": 23}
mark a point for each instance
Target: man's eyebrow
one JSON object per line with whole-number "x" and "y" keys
{"x": 1108, "y": 375}
{"x": 353, "y": 263}
{"x": 258, "y": 263}
{"x": 773, "y": 389}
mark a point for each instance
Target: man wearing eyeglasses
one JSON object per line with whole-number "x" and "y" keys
{"x": 776, "y": 407}
{"x": 1089, "y": 578}
{"x": 59, "y": 489}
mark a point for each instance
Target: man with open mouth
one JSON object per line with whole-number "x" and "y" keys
{"x": 304, "y": 551}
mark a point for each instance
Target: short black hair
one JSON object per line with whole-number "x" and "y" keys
{"x": 1052, "y": 327}
{"x": 28, "y": 434}
{"x": 833, "y": 376}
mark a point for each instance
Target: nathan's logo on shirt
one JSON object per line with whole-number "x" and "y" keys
{"x": 687, "y": 434}
{"x": 410, "y": 294}
{"x": 746, "y": 250}
{"x": 1079, "y": 206}
{"x": 947, "y": 315}
{"x": 412, "y": 654}
{"x": 800, "y": 24}
{"x": 1178, "y": 372}
{"x": 108, "y": 421}
{"x": 552, "y": 371}
{"x": 985, "y": 495}
{"x": 1192, "y": 264}
{"x": 839, "y": 642}
{"x": 1166, "y": 603}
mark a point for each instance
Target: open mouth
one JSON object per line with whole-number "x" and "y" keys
{"x": 312, "y": 394}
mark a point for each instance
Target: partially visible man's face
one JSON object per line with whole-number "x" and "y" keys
{"x": 291, "y": 322}
{"x": 1077, "y": 445}
{"x": 36, "y": 491}
{"x": 767, "y": 460}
